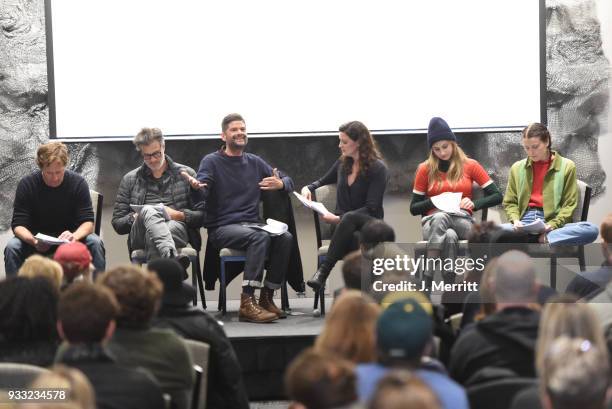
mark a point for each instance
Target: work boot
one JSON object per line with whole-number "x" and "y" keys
{"x": 317, "y": 281}
{"x": 251, "y": 312}
{"x": 266, "y": 301}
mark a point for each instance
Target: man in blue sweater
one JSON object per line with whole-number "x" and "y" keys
{"x": 232, "y": 181}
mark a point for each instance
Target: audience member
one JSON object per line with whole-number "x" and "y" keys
{"x": 374, "y": 232}
{"x": 53, "y": 201}
{"x": 75, "y": 260}
{"x": 352, "y": 271}
{"x": 28, "y": 314}
{"x": 86, "y": 320}
{"x": 589, "y": 284}
{"x": 225, "y": 385}
{"x": 78, "y": 389}
{"x": 505, "y": 340}
{"x": 349, "y": 328}
{"x": 403, "y": 390}
{"x": 575, "y": 375}
{"x": 136, "y": 344}
{"x": 315, "y": 380}
{"x": 40, "y": 266}
{"x": 404, "y": 334}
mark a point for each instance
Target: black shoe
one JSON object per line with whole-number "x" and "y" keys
{"x": 184, "y": 261}
{"x": 317, "y": 281}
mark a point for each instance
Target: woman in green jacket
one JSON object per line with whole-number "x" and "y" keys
{"x": 543, "y": 186}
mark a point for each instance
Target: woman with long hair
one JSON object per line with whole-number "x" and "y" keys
{"x": 543, "y": 186}
{"x": 361, "y": 178}
{"x": 448, "y": 169}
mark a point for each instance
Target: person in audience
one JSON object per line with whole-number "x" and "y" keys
{"x": 404, "y": 336}
{"x": 349, "y": 328}
{"x": 40, "y": 266}
{"x": 543, "y": 186}
{"x": 352, "y": 267}
{"x": 448, "y": 169}
{"x": 562, "y": 316}
{"x": 575, "y": 375}
{"x": 589, "y": 284}
{"x": 75, "y": 261}
{"x": 232, "y": 180}
{"x": 170, "y": 207}
{"x": 225, "y": 385}
{"x": 77, "y": 388}
{"x": 503, "y": 342}
{"x": 373, "y": 233}
{"x": 28, "y": 314}
{"x": 86, "y": 321}
{"x": 402, "y": 390}
{"x": 317, "y": 380}
{"x": 136, "y": 344}
{"x": 53, "y": 201}
{"x": 361, "y": 178}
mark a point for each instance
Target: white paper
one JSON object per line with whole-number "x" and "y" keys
{"x": 535, "y": 227}
{"x": 448, "y": 202}
{"x": 274, "y": 227}
{"x": 160, "y": 207}
{"x": 50, "y": 239}
{"x": 316, "y": 206}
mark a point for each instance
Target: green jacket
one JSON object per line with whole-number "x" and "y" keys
{"x": 560, "y": 191}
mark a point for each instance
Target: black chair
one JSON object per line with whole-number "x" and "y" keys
{"x": 97, "y": 199}
{"x": 498, "y": 393}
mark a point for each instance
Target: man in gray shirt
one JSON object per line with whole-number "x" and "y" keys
{"x": 169, "y": 205}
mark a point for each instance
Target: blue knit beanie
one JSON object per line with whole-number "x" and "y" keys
{"x": 438, "y": 130}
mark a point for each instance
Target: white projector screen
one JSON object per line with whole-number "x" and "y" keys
{"x": 291, "y": 67}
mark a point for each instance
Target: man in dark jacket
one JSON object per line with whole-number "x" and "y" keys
{"x": 86, "y": 320}
{"x": 225, "y": 386}
{"x": 506, "y": 339}
{"x": 155, "y": 205}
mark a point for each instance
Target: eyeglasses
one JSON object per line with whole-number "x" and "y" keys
{"x": 154, "y": 155}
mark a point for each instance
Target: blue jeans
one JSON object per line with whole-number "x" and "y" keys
{"x": 569, "y": 234}
{"x": 17, "y": 251}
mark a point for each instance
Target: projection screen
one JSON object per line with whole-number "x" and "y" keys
{"x": 291, "y": 67}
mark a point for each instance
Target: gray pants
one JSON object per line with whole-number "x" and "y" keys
{"x": 159, "y": 238}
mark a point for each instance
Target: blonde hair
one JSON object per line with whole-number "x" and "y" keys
{"x": 51, "y": 152}
{"x": 78, "y": 389}
{"x": 562, "y": 316}
{"x": 40, "y": 266}
{"x": 455, "y": 170}
{"x": 349, "y": 330}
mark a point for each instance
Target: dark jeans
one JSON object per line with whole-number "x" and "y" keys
{"x": 16, "y": 252}
{"x": 345, "y": 238}
{"x": 258, "y": 245}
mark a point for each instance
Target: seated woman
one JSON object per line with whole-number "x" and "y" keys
{"x": 361, "y": 177}
{"x": 448, "y": 169}
{"x": 543, "y": 186}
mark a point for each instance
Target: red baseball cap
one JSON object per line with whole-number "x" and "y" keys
{"x": 74, "y": 257}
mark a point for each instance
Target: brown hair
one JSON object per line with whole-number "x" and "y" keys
{"x": 85, "y": 310}
{"x": 403, "y": 390}
{"x": 455, "y": 170}
{"x": 487, "y": 295}
{"x": 538, "y": 130}
{"x": 320, "y": 381}
{"x": 78, "y": 389}
{"x": 368, "y": 148}
{"x": 51, "y": 152}
{"x": 229, "y": 119}
{"x": 606, "y": 229}
{"x": 137, "y": 292}
{"x": 349, "y": 330}
{"x": 147, "y": 136}
{"x": 40, "y": 266}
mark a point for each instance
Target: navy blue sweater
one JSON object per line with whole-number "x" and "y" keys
{"x": 232, "y": 193}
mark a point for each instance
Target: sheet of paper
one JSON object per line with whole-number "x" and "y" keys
{"x": 316, "y": 206}
{"x": 274, "y": 227}
{"x": 50, "y": 239}
{"x": 448, "y": 202}
{"x": 160, "y": 207}
{"x": 535, "y": 227}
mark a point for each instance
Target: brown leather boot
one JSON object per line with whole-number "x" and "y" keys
{"x": 251, "y": 312}
{"x": 266, "y": 301}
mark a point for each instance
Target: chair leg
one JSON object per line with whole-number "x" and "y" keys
{"x": 194, "y": 284}
{"x": 553, "y": 272}
{"x": 316, "y": 300}
{"x": 322, "y": 298}
{"x": 222, "y": 301}
{"x": 197, "y": 272}
{"x": 581, "y": 258}
{"x": 284, "y": 297}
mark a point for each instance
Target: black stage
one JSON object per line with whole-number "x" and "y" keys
{"x": 265, "y": 350}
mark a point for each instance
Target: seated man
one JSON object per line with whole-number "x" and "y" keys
{"x": 157, "y": 181}
{"x": 86, "y": 321}
{"x": 53, "y": 201}
{"x": 232, "y": 181}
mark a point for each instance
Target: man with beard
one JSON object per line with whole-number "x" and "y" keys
{"x": 166, "y": 204}
{"x": 231, "y": 181}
